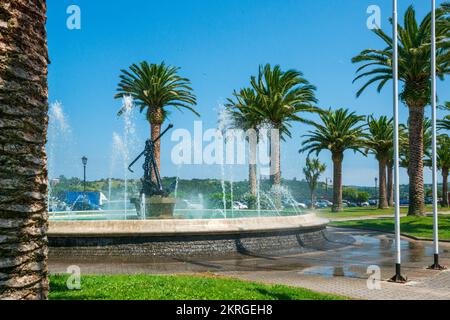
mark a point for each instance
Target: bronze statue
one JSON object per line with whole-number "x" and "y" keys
{"x": 152, "y": 187}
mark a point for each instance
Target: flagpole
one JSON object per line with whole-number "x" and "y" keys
{"x": 436, "y": 265}
{"x": 398, "y": 266}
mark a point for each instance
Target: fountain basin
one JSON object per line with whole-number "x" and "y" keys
{"x": 174, "y": 238}
{"x": 155, "y": 207}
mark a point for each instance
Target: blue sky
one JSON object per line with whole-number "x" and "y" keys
{"x": 219, "y": 45}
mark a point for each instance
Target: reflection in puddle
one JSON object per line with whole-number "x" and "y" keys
{"x": 330, "y": 272}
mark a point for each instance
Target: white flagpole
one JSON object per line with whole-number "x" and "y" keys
{"x": 436, "y": 265}
{"x": 398, "y": 274}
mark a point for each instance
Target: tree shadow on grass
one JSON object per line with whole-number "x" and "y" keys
{"x": 271, "y": 294}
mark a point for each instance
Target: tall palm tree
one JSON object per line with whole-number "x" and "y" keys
{"x": 444, "y": 124}
{"x": 242, "y": 111}
{"x": 339, "y": 131}
{"x": 282, "y": 97}
{"x": 427, "y": 133}
{"x": 443, "y": 161}
{"x": 155, "y": 88}
{"x": 415, "y": 73}
{"x": 23, "y": 161}
{"x": 312, "y": 171}
{"x": 380, "y": 141}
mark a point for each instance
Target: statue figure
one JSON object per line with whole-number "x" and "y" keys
{"x": 158, "y": 201}
{"x": 149, "y": 187}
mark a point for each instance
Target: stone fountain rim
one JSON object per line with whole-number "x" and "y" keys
{"x": 186, "y": 227}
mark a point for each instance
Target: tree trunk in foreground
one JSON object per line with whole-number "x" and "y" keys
{"x": 445, "y": 188}
{"x": 383, "y": 199}
{"x": 415, "y": 169}
{"x": 390, "y": 185}
{"x": 155, "y": 131}
{"x": 313, "y": 199}
{"x": 337, "y": 183}
{"x": 253, "y": 183}
{"x": 276, "y": 171}
{"x": 252, "y": 168}
{"x": 23, "y": 169}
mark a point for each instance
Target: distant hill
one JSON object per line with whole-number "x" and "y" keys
{"x": 205, "y": 187}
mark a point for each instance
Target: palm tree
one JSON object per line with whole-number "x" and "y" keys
{"x": 282, "y": 96}
{"x": 427, "y": 133}
{"x": 242, "y": 111}
{"x": 23, "y": 161}
{"x": 154, "y": 88}
{"x": 415, "y": 73}
{"x": 443, "y": 161}
{"x": 380, "y": 141}
{"x": 339, "y": 131}
{"x": 444, "y": 124}
{"x": 313, "y": 170}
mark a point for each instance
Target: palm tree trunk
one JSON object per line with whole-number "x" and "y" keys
{"x": 415, "y": 169}
{"x": 252, "y": 176}
{"x": 390, "y": 185}
{"x": 313, "y": 199}
{"x": 276, "y": 167}
{"x": 383, "y": 201}
{"x": 445, "y": 188}
{"x": 337, "y": 183}
{"x": 23, "y": 166}
{"x": 252, "y": 169}
{"x": 155, "y": 131}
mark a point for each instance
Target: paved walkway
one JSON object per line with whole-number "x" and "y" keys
{"x": 340, "y": 271}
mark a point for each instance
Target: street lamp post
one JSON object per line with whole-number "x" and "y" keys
{"x": 395, "y": 76}
{"x": 84, "y": 160}
{"x": 436, "y": 265}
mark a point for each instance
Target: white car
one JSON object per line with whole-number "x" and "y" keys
{"x": 301, "y": 205}
{"x": 295, "y": 204}
{"x": 365, "y": 204}
{"x": 239, "y": 206}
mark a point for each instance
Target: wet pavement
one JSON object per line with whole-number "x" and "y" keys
{"x": 339, "y": 267}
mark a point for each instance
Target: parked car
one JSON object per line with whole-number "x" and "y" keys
{"x": 237, "y": 205}
{"x": 186, "y": 204}
{"x": 329, "y": 203}
{"x": 294, "y": 204}
{"x": 302, "y": 205}
{"x": 365, "y": 204}
{"x": 321, "y": 205}
{"x": 373, "y": 202}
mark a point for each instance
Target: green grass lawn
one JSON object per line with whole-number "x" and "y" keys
{"x": 363, "y": 212}
{"x": 421, "y": 227}
{"x": 147, "y": 287}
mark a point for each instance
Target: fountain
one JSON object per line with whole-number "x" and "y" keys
{"x": 156, "y": 229}
{"x": 154, "y": 201}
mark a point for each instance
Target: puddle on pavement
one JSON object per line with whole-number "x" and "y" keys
{"x": 330, "y": 272}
